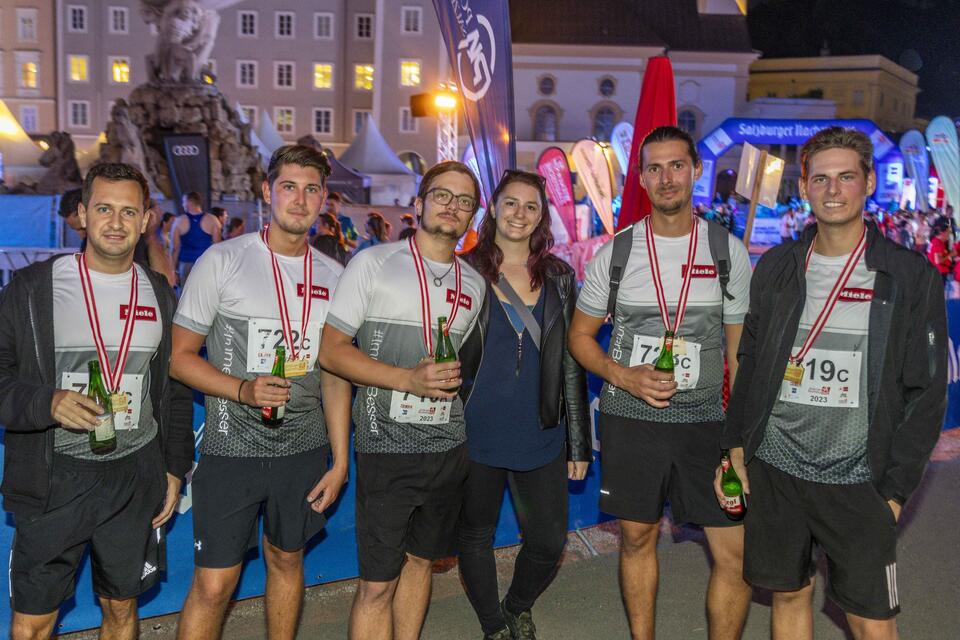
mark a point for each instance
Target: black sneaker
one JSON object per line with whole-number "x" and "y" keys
{"x": 521, "y": 625}
{"x": 503, "y": 634}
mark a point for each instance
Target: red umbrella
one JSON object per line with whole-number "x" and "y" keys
{"x": 657, "y": 107}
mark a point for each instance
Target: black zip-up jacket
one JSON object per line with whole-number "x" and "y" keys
{"x": 28, "y": 381}
{"x": 563, "y": 382}
{"x": 906, "y": 361}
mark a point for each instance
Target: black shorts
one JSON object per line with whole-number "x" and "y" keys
{"x": 852, "y": 523}
{"x": 645, "y": 464}
{"x": 228, "y": 494}
{"x": 108, "y": 505}
{"x": 407, "y": 503}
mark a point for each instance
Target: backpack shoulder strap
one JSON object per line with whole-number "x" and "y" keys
{"x": 622, "y": 242}
{"x": 720, "y": 252}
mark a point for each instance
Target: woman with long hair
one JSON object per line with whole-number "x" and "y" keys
{"x": 525, "y": 404}
{"x": 329, "y": 239}
{"x": 378, "y": 230}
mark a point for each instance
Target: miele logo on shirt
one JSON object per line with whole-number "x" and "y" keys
{"x": 318, "y": 292}
{"x": 143, "y": 313}
{"x": 465, "y": 301}
{"x": 699, "y": 271}
{"x": 852, "y": 294}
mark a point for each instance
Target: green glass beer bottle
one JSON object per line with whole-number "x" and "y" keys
{"x": 103, "y": 439}
{"x": 733, "y": 503}
{"x": 665, "y": 359}
{"x": 272, "y": 417}
{"x": 444, "y": 351}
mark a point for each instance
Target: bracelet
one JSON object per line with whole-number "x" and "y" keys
{"x": 239, "y": 390}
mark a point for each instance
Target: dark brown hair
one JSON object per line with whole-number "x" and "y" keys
{"x": 487, "y": 257}
{"x": 300, "y": 155}
{"x": 837, "y": 138}
{"x": 668, "y": 134}
{"x": 114, "y": 172}
{"x": 379, "y": 225}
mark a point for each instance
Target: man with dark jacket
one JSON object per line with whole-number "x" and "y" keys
{"x": 839, "y": 399}
{"x": 55, "y": 318}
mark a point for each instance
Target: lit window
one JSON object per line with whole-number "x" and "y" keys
{"x": 284, "y": 24}
{"x": 409, "y": 73}
{"x": 364, "y": 26}
{"x": 323, "y": 121}
{"x": 283, "y": 75}
{"x": 247, "y": 24}
{"x": 322, "y": 75}
{"x": 29, "y": 118}
{"x": 249, "y": 114}
{"x": 247, "y": 73}
{"x": 27, "y": 25}
{"x": 359, "y": 117}
{"x": 78, "y": 69}
{"x": 411, "y": 19}
{"x": 28, "y": 75}
{"x": 120, "y": 70}
{"x": 323, "y": 26}
{"x": 408, "y": 124}
{"x": 118, "y": 20}
{"x": 79, "y": 111}
{"x": 363, "y": 77}
{"x": 76, "y": 19}
{"x": 283, "y": 119}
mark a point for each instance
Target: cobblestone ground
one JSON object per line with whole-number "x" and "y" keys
{"x": 584, "y": 600}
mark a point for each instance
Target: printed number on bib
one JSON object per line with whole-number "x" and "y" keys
{"x": 130, "y": 385}
{"x": 686, "y": 368}
{"x": 830, "y": 379}
{"x": 264, "y": 335}
{"x": 410, "y": 408}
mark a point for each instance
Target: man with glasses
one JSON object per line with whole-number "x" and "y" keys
{"x": 410, "y": 433}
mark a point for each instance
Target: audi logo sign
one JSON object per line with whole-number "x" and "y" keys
{"x": 185, "y": 150}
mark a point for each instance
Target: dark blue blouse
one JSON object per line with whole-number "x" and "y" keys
{"x": 503, "y": 414}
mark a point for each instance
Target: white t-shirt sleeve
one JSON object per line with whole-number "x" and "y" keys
{"x": 200, "y": 298}
{"x": 596, "y": 284}
{"x": 348, "y": 305}
{"x": 735, "y": 310}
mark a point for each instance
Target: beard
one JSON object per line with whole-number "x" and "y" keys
{"x": 439, "y": 229}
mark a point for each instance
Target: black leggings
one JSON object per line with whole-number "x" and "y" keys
{"x": 540, "y": 499}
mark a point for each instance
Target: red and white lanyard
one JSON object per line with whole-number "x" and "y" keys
{"x": 282, "y": 296}
{"x": 425, "y": 315}
{"x": 831, "y": 302}
{"x": 687, "y": 276}
{"x": 111, "y": 375}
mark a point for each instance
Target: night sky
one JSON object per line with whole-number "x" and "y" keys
{"x": 921, "y": 35}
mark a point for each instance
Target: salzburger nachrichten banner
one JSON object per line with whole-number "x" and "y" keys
{"x": 477, "y": 35}
{"x": 188, "y": 160}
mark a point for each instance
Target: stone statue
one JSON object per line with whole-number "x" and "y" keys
{"x": 62, "y": 172}
{"x": 186, "y": 32}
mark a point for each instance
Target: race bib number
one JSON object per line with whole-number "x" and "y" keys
{"x": 130, "y": 385}
{"x": 830, "y": 379}
{"x": 409, "y": 408}
{"x": 264, "y": 335}
{"x": 686, "y": 368}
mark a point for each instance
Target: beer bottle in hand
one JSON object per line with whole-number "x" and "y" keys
{"x": 444, "y": 351}
{"x": 665, "y": 359}
{"x": 273, "y": 416}
{"x": 103, "y": 439}
{"x": 733, "y": 502}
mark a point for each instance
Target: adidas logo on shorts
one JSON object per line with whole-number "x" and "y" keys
{"x": 147, "y": 570}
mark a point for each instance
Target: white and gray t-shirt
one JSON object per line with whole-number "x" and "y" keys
{"x": 378, "y": 302}
{"x": 817, "y": 430}
{"x": 231, "y": 299}
{"x": 638, "y": 327}
{"x": 74, "y": 349}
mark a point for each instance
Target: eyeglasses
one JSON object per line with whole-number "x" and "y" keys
{"x": 443, "y": 197}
